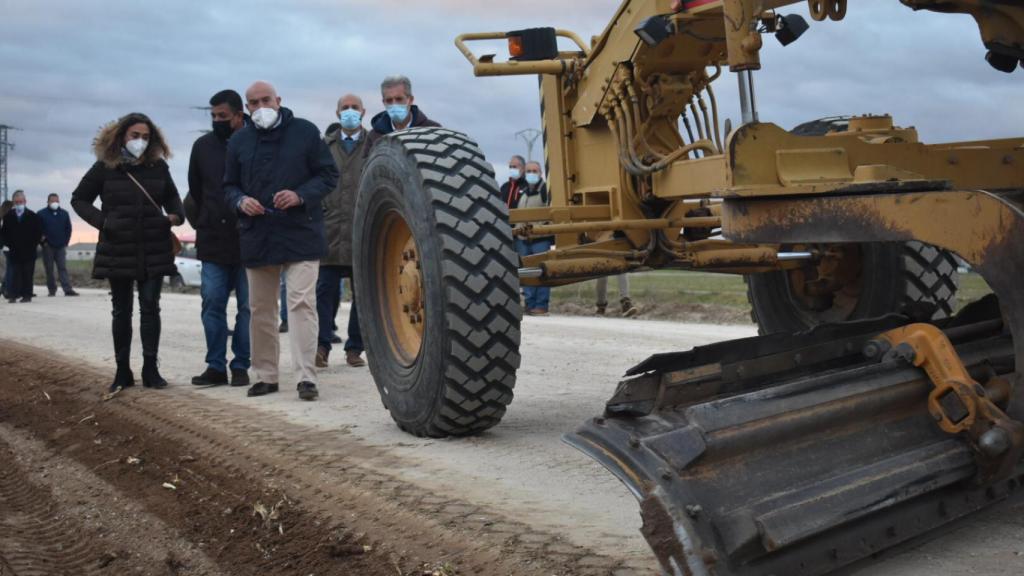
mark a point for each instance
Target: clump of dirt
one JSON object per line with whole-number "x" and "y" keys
{"x": 675, "y": 311}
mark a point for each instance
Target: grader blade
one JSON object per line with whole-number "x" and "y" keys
{"x": 798, "y": 455}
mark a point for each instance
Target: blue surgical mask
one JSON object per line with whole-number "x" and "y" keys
{"x": 532, "y": 178}
{"x": 19, "y": 209}
{"x": 514, "y": 173}
{"x": 350, "y": 119}
{"x": 398, "y": 113}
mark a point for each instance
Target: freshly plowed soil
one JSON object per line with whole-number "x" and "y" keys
{"x": 175, "y": 483}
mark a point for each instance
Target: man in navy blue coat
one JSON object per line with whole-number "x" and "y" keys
{"x": 277, "y": 171}
{"x": 56, "y": 235}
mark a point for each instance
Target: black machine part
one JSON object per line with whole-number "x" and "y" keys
{"x": 796, "y": 454}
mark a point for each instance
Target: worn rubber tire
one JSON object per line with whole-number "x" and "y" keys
{"x": 909, "y": 277}
{"x": 461, "y": 381}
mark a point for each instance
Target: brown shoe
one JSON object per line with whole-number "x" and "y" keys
{"x": 628, "y": 309}
{"x": 538, "y": 312}
{"x": 354, "y": 359}
{"x": 321, "y": 357}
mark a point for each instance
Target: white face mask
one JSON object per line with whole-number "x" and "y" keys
{"x": 54, "y": 205}
{"x": 514, "y": 173}
{"x": 136, "y": 147}
{"x": 264, "y": 118}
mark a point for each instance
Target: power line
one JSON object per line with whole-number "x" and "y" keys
{"x": 5, "y": 145}
{"x": 530, "y": 136}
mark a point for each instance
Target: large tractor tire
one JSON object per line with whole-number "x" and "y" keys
{"x": 862, "y": 281}
{"x": 436, "y": 281}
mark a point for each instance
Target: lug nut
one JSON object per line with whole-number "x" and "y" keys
{"x": 994, "y": 442}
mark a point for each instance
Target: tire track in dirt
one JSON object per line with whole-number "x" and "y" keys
{"x": 339, "y": 477}
{"x": 35, "y": 538}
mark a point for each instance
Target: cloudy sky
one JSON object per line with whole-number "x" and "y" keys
{"x": 68, "y": 66}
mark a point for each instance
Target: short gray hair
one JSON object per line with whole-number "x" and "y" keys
{"x": 398, "y": 80}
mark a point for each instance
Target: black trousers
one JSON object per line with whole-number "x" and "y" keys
{"x": 24, "y": 269}
{"x": 149, "y": 316}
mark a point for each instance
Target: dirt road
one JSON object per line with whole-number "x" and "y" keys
{"x": 273, "y": 485}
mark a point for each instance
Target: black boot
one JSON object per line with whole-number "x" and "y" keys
{"x": 123, "y": 378}
{"x": 151, "y": 377}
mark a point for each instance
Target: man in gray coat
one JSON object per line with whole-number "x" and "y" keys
{"x": 347, "y": 142}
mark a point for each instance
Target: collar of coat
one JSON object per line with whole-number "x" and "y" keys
{"x": 381, "y": 123}
{"x": 335, "y": 134}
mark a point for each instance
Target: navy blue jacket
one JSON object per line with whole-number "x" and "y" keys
{"x": 56, "y": 226}
{"x": 261, "y": 163}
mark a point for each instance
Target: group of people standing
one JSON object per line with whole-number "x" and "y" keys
{"x": 22, "y": 232}
{"x": 269, "y": 199}
{"x": 525, "y": 188}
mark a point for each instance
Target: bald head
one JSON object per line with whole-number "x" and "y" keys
{"x": 261, "y": 95}
{"x": 350, "y": 101}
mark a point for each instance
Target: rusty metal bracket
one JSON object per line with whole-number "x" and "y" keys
{"x": 959, "y": 404}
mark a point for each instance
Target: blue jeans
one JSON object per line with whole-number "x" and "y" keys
{"x": 218, "y": 282}
{"x": 284, "y": 301}
{"x": 328, "y": 299}
{"x": 537, "y": 297}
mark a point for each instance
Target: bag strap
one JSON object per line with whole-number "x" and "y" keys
{"x": 143, "y": 188}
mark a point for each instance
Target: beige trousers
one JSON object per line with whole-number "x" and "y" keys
{"x": 264, "y": 292}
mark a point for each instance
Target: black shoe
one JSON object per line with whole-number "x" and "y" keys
{"x": 151, "y": 377}
{"x": 239, "y": 377}
{"x": 261, "y": 389}
{"x": 307, "y": 391}
{"x": 335, "y": 339}
{"x": 71, "y": 293}
{"x": 12, "y": 300}
{"x": 210, "y": 377}
{"x": 52, "y": 294}
{"x": 26, "y": 299}
{"x": 123, "y": 378}
{"x": 283, "y": 328}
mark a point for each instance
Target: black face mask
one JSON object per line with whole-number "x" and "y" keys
{"x": 222, "y": 128}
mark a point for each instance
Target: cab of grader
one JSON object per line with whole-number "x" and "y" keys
{"x": 867, "y": 412}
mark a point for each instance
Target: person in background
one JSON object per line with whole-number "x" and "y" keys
{"x": 135, "y": 249}
{"x": 5, "y": 207}
{"x": 628, "y": 309}
{"x": 56, "y": 237}
{"x": 22, "y": 231}
{"x": 399, "y": 111}
{"x": 533, "y": 195}
{"x": 278, "y": 170}
{"x": 516, "y": 183}
{"x": 347, "y": 143}
{"x": 217, "y": 247}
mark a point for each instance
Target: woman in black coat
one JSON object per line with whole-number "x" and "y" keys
{"x": 134, "y": 185}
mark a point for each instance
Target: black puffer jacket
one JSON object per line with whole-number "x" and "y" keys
{"x": 135, "y": 237}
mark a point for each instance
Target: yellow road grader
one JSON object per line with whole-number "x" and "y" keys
{"x": 866, "y": 414}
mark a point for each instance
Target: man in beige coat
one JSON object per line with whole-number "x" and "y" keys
{"x": 347, "y": 142}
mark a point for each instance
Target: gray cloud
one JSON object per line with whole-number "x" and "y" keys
{"x": 69, "y": 66}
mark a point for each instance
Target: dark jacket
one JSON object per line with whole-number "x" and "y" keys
{"x": 261, "y": 163}
{"x": 216, "y": 226}
{"x": 56, "y": 226}
{"x": 381, "y": 124}
{"x": 22, "y": 237}
{"x": 340, "y": 207}
{"x": 511, "y": 190}
{"x": 135, "y": 236}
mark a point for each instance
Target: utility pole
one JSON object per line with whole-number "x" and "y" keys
{"x": 5, "y": 145}
{"x": 530, "y": 136}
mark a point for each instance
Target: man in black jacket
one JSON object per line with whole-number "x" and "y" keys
{"x": 277, "y": 172}
{"x": 516, "y": 182}
{"x": 217, "y": 246}
{"x": 22, "y": 232}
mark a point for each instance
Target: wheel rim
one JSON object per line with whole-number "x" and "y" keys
{"x": 400, "y": 281}
{"x": 829, "y": 289}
